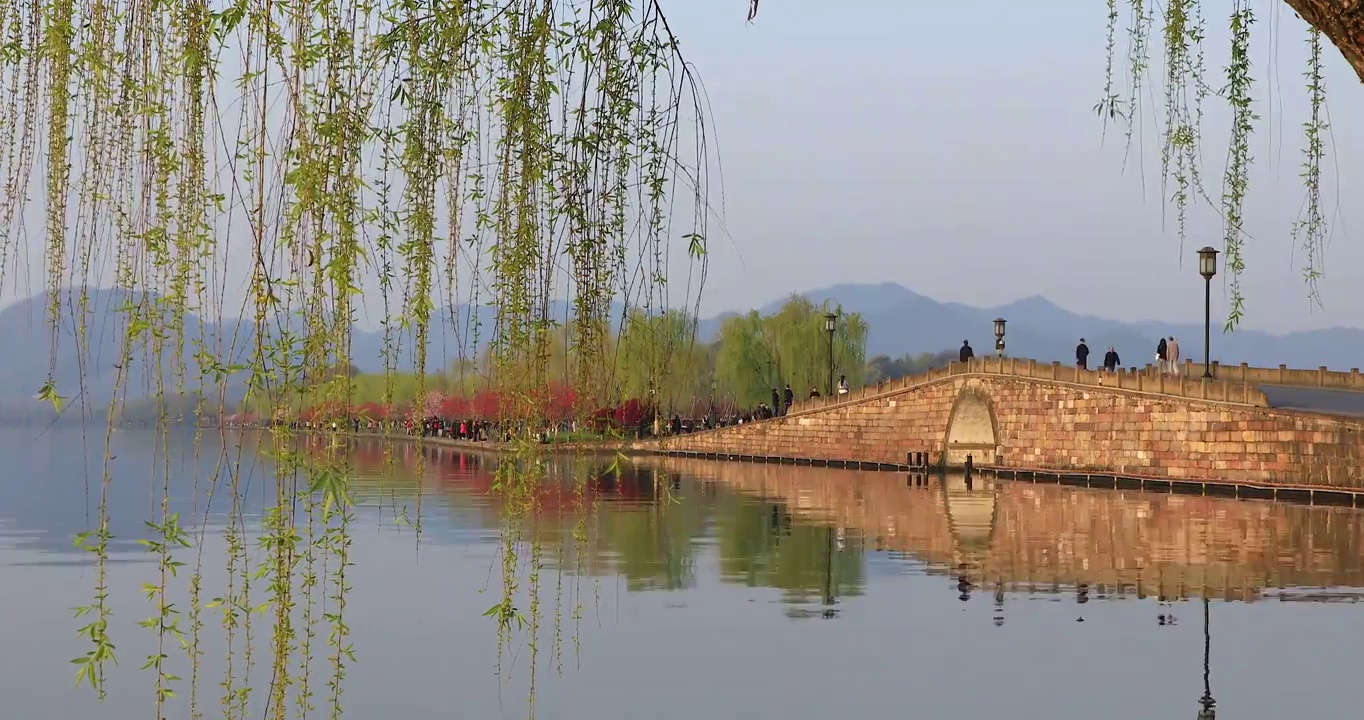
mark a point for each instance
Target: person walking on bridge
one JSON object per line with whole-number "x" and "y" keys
{"x": 790, "y": 399}
{"x": 1082, "y": 355}
{"x": 966, "y": 352}
{"x": 776, "y": 403}
{"x": 1111, "y": 360}
{"x": 1172, "y": 352}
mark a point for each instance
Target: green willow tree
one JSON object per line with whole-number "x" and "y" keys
{"x": 757, "y": 353}
{"x": 659, "y": 356}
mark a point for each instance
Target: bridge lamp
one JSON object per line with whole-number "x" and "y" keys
{"x": 830, "y": 326}
{"x": 1207, "y": 267}
{"x": 999, "y": 336}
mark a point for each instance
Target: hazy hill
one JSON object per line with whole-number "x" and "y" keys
{"x": 901, "y": 322}
{"x": 26, "y": 361}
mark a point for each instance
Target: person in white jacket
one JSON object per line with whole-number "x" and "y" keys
{"x": 1172, "y": 352}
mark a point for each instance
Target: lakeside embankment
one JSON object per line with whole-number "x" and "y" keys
{"x": 490, "y": 446}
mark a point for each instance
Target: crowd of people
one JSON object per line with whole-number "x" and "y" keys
{"x": 1167, "y": 357}
{"x": 645, "y": 421}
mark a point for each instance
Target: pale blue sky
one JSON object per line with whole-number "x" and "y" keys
{"x": 952, "y": 147}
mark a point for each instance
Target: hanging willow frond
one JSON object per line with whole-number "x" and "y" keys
{"x": 265, "y": 166}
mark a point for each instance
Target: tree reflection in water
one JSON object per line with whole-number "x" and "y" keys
{"x": 803, "y": 531}
{"x": 644, "y": 523}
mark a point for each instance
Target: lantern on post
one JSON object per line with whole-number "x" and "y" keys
{"x": 830, "y": 327}
{"x": 1207, "y": 267}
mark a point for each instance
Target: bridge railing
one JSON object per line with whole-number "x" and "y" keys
{"x": 1145, "y": 380}
{"x": 1282, "y": 375}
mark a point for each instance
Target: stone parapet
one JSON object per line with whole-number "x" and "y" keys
{"x": 1193, "y": 386}
{"x": 1319, "y": 377}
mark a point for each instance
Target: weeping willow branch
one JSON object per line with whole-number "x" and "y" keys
{"x": 1310, "y": 230}
{"x": 1339, "y": 21}
{"x": 265, "y": 166}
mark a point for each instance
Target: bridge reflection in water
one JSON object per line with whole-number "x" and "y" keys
{"x": 1051, "y": 538}
{"x": 804, "y": 530}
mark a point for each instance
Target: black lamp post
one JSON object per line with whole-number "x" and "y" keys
{"x": 999, "y": 336}
{"x": 830, "y": 325}
{"x": 1207, "y": 267}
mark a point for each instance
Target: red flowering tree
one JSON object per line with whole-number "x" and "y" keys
{"x": 561, "y": 403}
{"x": 486, "y": 404}
{"x": 454, "y": 406}
{"x": 630, "y": 413}
{"x": 372, "y": 411}
{"x": 431, "y": 404}
{"x": 604, "y": 419}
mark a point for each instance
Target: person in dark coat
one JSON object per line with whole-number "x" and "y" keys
{"x": 1162, "y": 352}
{"x": 790, "y": 399}
{"x": 776, "y": 403}
{"x": 966, "y": 352}
{"x": 1082, "y": 355}
{"x": 1111, "y": 360}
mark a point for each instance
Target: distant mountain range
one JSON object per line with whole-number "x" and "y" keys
{"x": 901, "y": 322}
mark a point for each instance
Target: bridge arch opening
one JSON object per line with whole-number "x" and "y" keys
{"x": 971, "y": 510}
{"x": 971, "y": 429}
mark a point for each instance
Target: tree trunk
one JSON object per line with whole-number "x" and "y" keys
{"x": 1341, "y": 21}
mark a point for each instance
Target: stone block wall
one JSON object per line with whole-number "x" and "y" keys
{"x": 1050, "y": 425}
{"x": 880, "y": 429}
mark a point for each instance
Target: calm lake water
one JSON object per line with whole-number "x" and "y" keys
{"x": 688, "y": 589}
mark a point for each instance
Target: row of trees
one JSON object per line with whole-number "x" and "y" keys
{"x": 655, "y": 356}
{"x": 756, "y": 353}
{"x": 883, "y": 367}
{"x": 652, "y": 358}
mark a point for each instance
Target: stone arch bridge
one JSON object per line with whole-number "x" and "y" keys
{"x": 1016, "y": 415}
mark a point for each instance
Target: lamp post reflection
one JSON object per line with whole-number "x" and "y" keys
{"x": 999, "y": 604}
{"x": 1207, "y": 707}
{"x": 832, "y": 544}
